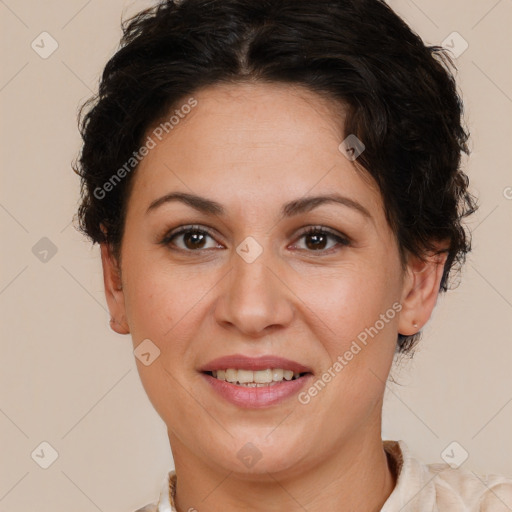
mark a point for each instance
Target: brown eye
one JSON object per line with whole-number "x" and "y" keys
{"x": 317, "y": 239}
{"x": 194, "y": 239}
{"x": 189, "y": 239}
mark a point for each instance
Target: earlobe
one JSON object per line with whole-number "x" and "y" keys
{"x": 114, "y": 290}
{"x": 420, "y": 292}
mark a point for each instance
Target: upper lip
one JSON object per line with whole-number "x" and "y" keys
{"x": 241, "y": 362}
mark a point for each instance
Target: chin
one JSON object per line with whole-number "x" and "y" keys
{"x": 249, "y": 456}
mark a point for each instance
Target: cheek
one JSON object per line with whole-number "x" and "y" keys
{"x": 359, "y": 313}
{"x": 154, "y": 293}
{"x": 349, "y": 300}
{"x": 163, "y": 306}
{"x": 164, "y": 303}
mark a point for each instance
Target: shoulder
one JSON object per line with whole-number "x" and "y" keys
{"x": 482, "y": 493}
{"x": 165, "y": 502}
{"x": 442, "y": 487}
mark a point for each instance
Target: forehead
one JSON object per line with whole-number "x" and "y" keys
{"x": 253, "y": 142}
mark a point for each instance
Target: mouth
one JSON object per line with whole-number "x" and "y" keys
{"x": 255, "y": 379}
{"x": 255, "y": 382}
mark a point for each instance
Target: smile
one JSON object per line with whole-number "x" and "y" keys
{"x": 255, "y": 382}
{"x": 259, "y": 378}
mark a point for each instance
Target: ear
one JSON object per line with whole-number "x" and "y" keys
{"x": 420, "y": 291}
{"x": 114, "y": 290}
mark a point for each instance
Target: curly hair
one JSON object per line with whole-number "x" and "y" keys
{"x": 400, "y": 97}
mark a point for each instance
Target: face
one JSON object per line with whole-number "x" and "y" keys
{"x": 248, "y": 266}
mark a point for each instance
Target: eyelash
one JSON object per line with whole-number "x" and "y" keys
{"x": 317, "y": 230}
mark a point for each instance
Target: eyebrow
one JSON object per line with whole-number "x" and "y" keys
{"x": 295, "y": 207}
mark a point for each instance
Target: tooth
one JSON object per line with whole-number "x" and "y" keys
{"x": 263, "y": 376}
{"x": 255, "y": 378}
{"x": 288, "y": 374}
{"x": 231, "y": 375}
{"x": 245, "y": 376}
{"x": 277, "y": 374}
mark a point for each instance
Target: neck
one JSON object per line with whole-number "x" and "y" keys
{"x": 355, "y": 477}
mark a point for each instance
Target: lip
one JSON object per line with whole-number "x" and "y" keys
{"x": 257, "y": 397}
{"x": 241, "y": 362}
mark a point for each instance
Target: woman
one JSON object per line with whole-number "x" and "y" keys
{"x": 277, "y": 191}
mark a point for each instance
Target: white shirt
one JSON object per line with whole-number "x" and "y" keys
{"x": 419, "y": 487}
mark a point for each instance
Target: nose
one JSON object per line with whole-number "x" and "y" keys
{"x": 254, "y": 297}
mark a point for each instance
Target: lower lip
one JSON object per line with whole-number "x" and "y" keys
{"x": 256, "y": 398}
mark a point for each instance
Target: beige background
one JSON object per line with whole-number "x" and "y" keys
{"x": 66, "y": 379}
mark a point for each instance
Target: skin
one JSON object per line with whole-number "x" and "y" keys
{"x": 253, "y": 147}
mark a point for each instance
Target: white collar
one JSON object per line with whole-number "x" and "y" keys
{"x": 164, "y": 503}
{"x": 419, "y": 487}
